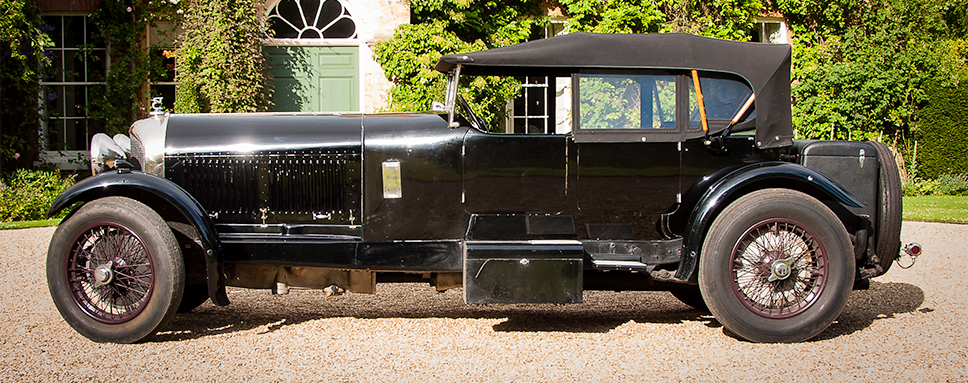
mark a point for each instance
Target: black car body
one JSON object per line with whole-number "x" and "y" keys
{"x": 658, "y": 185}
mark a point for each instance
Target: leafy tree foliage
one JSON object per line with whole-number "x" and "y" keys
{"x": 861, "y": 68}
{"x": 452, "y": 26}
{"x": 219, "y": 61}
{"x": 22, "y": 44}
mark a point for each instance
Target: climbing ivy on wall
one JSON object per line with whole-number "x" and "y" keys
{"x": 122, "y": 25}
{"x": 22, "y": 44}
{"x": 220, "y": 67}
{"x": 862, "y": 70}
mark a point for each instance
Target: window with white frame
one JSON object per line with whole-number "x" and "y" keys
{"x": 771, "y": 30}
{"x": 79, "y": 66}
{"x": 535, "y": 110}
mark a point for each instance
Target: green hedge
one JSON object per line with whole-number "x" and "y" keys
{"x": 28, "y": 194}
{"x": 943, "y": 138}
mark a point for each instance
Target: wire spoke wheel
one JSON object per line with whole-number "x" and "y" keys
{"x": 779, "y": 268}
{"x": 110, "y": 273}
{"x": 115, "y": 271}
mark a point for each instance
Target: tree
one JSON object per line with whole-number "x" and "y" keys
{"x": 122, "y": 25}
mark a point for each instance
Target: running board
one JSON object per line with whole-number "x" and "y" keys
{"x": 632, "y": 255}
{"x": 614, "y": 262}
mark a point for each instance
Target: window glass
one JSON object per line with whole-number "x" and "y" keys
{"x": 77, "y": 73}
{"x": 621, "y": 101}
{"x": 723, "y": 97}
{"x": 529, "y": 110}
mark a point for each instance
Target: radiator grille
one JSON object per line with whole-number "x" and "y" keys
{"x": 311, "y": 184}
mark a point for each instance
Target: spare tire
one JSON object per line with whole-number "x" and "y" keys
{"x": 889, "y": 208}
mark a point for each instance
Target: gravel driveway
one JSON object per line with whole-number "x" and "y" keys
{"x": 910, "y": 326}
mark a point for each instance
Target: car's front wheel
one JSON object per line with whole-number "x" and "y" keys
{"x": 776, "y": 266}
{"x": 115, "y": 271}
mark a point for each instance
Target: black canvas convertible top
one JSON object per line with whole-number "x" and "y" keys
{"x": 765, "y": 66}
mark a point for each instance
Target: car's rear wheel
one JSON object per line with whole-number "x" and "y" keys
{"x": 115, "y": 271}
{"x": 776, "y": 266}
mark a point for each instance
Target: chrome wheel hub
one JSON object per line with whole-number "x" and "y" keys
{"x": 781, "y": 269}
{"x": 103, "y": 274}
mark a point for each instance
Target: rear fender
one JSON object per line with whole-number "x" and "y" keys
{"x": 131, "y": 183}
{"x": 743, "y": 180}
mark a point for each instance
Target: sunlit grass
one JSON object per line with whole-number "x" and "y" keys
{"x": 26, "y": 224}
{"x": 936, "y": 209}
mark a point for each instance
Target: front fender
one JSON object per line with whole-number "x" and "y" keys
{"x": 126, "y": 183}
{"x": 747, "y": 178}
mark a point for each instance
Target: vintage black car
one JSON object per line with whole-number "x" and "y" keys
{"x": 670, "y": 164}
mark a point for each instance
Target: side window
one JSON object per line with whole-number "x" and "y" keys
{"x": 723, "y": 97}
{"x": 623, "y": 101}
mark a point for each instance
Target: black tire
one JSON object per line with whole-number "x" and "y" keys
{"x": 115, "y": 271}
{"x": 193, "y": 297}
{"x": 691, "y": 297}
{"x": 889, "y": 209}
{"x": 752, "y": 279}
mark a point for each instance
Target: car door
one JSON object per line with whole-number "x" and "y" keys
{"x": 505, "y": 173}
{"x": 627, "y": 136}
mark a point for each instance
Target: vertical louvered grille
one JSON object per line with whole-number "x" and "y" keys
{"x": 310, "y": 184}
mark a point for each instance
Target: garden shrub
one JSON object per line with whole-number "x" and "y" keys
{"x": 942, "y": 142}
{"x": 946, "y": 185}
{"x": 28, "y": 194}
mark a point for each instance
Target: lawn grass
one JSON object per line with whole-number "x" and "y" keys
{"x": 936, "y": 209}
{"x": 26, "y": 224}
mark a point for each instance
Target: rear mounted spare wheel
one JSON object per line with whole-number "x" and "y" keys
{"x": 776, "y": 266}
{"x": 889, "y": 208}
{"x": 115, "y": 271}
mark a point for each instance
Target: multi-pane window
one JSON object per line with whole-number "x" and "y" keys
{"x": 536, "y": 109}
{"x": 162, "y": 77}
{"x": 79, "y": 65}
{"x": 530, "y": 110}
{"x": 771, "y": 30}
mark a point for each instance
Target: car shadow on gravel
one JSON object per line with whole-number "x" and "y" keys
{"x": 881, "y": 301}
{"x": 601, "y": 312}
{"x": 864, "y": 307}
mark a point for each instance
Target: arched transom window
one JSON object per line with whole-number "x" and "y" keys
{"x": 311, "y": 19}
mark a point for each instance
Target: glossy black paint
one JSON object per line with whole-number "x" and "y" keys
{"x": 460, "y": 184}
{"x": 523, "y": 272}
{"x": 429, "y": 153}
{"x": 254, "y": 133}
{"x": 514, "y": 173}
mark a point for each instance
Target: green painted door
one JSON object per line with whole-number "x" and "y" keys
{"x": 315, "y": 79}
